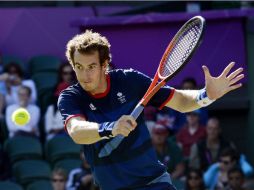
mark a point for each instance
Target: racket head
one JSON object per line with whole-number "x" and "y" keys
{"x": 181, "y": 48}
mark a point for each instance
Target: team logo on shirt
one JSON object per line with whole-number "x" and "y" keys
{"x": 121, "y": 97}
{"x": 92, "y": 107}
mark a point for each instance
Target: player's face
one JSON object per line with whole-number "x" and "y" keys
{"x": 90, "y": 73}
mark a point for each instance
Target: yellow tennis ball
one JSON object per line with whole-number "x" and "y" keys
{"x": 20, "y": 116}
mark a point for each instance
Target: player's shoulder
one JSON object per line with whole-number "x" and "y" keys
{"x": 72, "y": 90}
{"x": 72, "y": 93}
{"x": 126, "y": 73}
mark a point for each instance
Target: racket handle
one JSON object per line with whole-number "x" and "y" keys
{"x": 137, "y": 111}
{"x": 114, "y": 143}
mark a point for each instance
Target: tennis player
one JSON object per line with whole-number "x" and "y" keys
{"x": 96, "y": 109}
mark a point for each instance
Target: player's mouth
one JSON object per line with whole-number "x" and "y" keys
{"x": 87, "y": 82}
{"x": 87, "y": 85}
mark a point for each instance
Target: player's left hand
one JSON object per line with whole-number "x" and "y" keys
{"x": 216, "y": 87}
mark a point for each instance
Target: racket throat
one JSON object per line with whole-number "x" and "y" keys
{"x": 137, "y": 111}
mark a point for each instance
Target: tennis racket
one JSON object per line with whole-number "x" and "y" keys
{"x": 177, "y": 54}
{"x": 175, "y": 57}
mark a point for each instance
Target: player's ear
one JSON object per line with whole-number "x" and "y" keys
{"x": 105, "y": 65}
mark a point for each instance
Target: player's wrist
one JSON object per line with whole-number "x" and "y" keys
{"x": 202, "y": 99}
{"x": 105, "y": 129}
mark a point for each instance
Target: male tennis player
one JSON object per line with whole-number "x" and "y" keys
{"x": 96, "y": 109}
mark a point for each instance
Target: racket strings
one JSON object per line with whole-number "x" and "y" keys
{"x": 182, "y": 48}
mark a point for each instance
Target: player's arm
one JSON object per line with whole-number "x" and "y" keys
{"x": 215, "y": 87}
{"x": 82, "y": 131}
{"x": 184, "y": 101}
{"x": 85, "y": 132}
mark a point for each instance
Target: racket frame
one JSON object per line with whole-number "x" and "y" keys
{"x": 155, "y": 86}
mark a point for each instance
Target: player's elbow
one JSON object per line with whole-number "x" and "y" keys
{"x": 74, "y": 135}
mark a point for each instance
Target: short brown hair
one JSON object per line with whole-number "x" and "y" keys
{"x": 88, "y": 42}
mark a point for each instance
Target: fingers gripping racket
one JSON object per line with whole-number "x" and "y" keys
{"x": 177, "y": 54}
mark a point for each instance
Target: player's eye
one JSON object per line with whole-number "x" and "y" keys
{"x": 91, "y": 67}
{"x": 79, "y": 67}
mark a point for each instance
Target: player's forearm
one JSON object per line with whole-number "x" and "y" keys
{"x": 84, "y": 132}
{"x": 188, "y": 100}
{"x": 184, "y": 101}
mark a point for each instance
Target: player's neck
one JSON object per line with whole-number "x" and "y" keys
{"x": 103, "y": 88}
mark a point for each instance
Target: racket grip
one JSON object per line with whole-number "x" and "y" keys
{"x": 137, "y": 111}
{"x": 114, "y": 143}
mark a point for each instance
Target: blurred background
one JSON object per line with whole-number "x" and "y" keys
{"x": 34, "y": 70}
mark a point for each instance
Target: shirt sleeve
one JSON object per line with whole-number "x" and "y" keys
{"x": 68, "y": 105}
{"x": 162, "y": 97}
{"x": 140, "y": 82}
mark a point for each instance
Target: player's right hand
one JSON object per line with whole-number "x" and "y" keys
{"x": 124, "y": 126}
